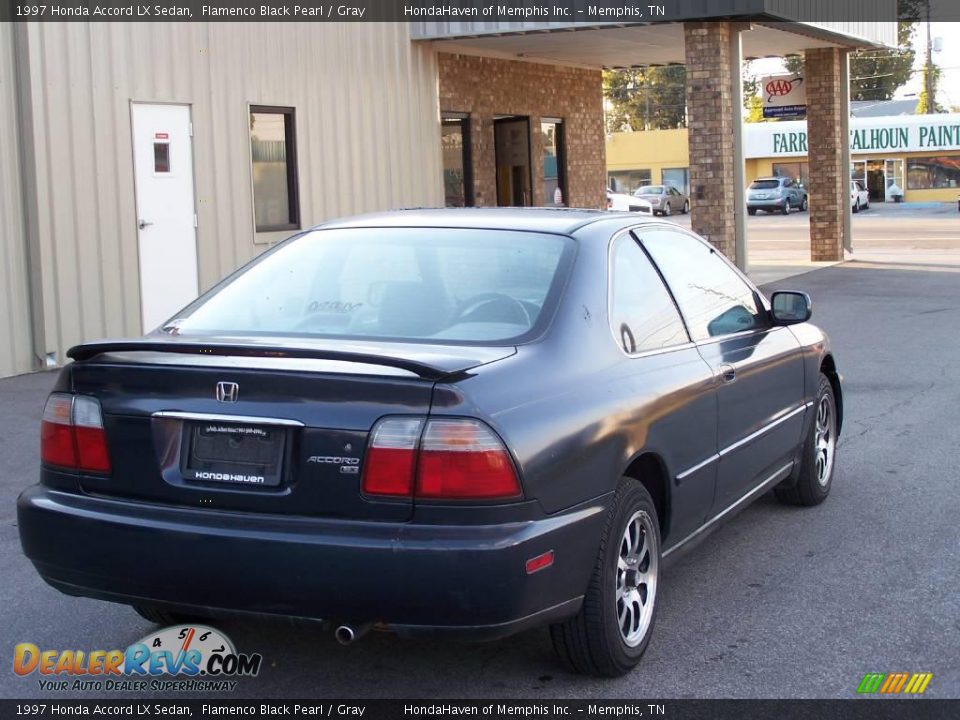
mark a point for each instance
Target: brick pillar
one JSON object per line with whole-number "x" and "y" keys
{"x": 828, "y": 178}
{"x": 710, "y": 121}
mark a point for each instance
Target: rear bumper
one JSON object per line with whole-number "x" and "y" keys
{"x": 467, "y": 580}
{"x": 772, "y": 204}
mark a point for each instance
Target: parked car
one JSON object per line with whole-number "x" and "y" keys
{"x": 859, "y": 197}
{"x": 776, "y": 194}
{"x": 627, "y": 203}
{"x": 664, "y": 199}
{"x": 460, "y": 422}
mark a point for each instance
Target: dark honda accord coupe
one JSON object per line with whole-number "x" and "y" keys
{"x": 464, "y": 422}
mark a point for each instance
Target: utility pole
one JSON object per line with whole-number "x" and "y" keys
{"x": 928, "y": 71}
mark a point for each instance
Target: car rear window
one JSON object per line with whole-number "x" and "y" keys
{"x": 650, "y": 190}
{"x": 407, "y": 284}
{"x": 764, "y": 184}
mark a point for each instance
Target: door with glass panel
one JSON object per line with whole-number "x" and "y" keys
{"x": 457, "y": 164}
{"x": 512, "y": 150}
{"x": 166, "y": 223}
{"x": 554, "y": 184}
{"x": 893, "y": 174}
{"x": 757, "y": 368}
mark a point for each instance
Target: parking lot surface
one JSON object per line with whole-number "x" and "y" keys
{"x": 781, "y": 602}
{"x": 779, "y": 246}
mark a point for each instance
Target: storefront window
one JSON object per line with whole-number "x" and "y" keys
{"x": 626, "y": 181}
{"x": 273, "y": 155}
{"x": 799, "y": 172}
{"x": 934, "y": 172}
{"x": 455, "y": 147}
{"x": 678, "y": 178}
{"x": 554, "y": 163}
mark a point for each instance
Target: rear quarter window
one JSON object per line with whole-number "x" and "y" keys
{"x": 643, "y": 316}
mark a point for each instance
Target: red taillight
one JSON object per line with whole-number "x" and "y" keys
{"x": 57, "y": 444}
{"x": 463, "y": 459}
{"x": 391, "y": 457}
{"x": 72, "y": 435}
{"x": 457, "y": 459}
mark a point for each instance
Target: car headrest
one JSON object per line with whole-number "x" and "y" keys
{"x": 413, "y": 309}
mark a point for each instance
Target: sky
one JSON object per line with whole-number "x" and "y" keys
{"x": 948, "y": 59}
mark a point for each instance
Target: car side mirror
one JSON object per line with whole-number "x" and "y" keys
{"x": 790, "y": 307}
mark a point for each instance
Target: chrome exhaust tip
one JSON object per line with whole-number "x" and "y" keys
{"x": 348, "y": 634}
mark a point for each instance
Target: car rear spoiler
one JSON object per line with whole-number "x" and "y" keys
{"x": 427, "y": 362}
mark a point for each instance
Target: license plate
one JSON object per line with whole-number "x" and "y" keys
{"x": 218, "y": 452}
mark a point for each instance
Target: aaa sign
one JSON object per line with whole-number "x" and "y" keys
{"x": 783, "y": 96}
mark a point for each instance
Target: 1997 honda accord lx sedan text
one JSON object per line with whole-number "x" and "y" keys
{"x": 436, "y": 421}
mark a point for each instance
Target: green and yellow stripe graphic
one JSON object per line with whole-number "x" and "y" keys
{"x": 894, "y": 683}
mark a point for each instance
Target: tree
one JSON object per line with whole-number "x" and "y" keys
{"x": 878, "y": 74}
{"x": 755, "y": 107}
{"x": 646, "y": 98}
{"x": 752, "y": 100}
{"x": 794, "y": 64}
{"x": 923, "y": 102}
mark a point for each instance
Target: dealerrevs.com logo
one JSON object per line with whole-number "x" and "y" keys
{"x": 178, "y": 658}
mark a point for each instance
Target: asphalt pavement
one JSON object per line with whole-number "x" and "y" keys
{"x": 780, "y": 602}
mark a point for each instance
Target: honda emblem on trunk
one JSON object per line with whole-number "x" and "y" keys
{"x": 227, "y": 392}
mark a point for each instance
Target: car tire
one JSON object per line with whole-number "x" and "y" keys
{"x": 785, "y": 210}
{"x": 163, "y": 617}
{"x": 867, "y": 206}
{"x": 804, "y": 204}
{"x": 667, "y": 211}
{"x": 686, "y": 207}
{"x": 818, "y": 461}
{"x": 609, "y": 635}
{"x": 856, "y": 206}
{"x": 751, "y": 211}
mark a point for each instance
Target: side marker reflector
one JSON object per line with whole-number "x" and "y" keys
{"x": 539, "y": 562}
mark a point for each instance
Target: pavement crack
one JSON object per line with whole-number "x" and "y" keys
{"x": 886, "y": 413}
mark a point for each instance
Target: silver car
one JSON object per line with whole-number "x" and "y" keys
{"x": 776, "y": 194}
{"x": 665, "y": 199}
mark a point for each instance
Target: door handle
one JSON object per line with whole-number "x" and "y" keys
{"x": 143, "y": 223}
{"x": 728, "y": 373}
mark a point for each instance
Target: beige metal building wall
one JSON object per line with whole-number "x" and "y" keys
{"x": 15, "y": 337}
{"x": 367, "y": 139}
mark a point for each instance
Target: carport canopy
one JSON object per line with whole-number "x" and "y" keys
{"x": 714, "y": 51}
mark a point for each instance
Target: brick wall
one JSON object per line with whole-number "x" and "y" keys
{"x": 485, "y": 87}
{"x": 710, "y": 122}
{"x": 827, "y": 186}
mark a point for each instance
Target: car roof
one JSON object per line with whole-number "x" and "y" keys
{"x": 777, "y": 179}
{"x": 564, "y": 221}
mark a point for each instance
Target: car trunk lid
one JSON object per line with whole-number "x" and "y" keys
{"x": 263, "y": 426}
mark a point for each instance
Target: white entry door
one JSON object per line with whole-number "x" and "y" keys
{"x": 166, "y": 234}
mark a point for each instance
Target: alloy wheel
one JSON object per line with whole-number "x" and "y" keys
{"x": 637, "y": 571}
{"x": 825, "y": 442}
